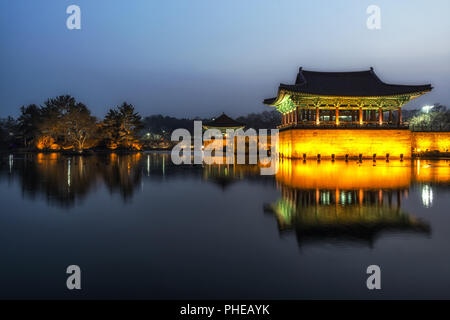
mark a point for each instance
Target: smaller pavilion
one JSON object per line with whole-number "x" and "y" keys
{"x": 223, "y": 123}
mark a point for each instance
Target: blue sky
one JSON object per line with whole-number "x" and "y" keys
{"x": 190, "y": 58}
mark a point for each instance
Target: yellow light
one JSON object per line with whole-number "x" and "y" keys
{"x": 439, "y": 141}
{"x": 294, "y": 143}
{"x": 342, "y": 175}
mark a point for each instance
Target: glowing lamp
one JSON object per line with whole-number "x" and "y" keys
{"x": 427, "y": 109}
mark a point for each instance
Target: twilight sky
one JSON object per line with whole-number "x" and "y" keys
{"x": 203, "y": 57}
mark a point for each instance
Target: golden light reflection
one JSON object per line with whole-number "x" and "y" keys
{"x": 344, "y": 175}
{"x": 352, "y": 201}
{"x": 432, "y": 171}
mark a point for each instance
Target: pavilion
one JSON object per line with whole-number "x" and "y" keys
{"x": 345, "y": 99}
{"x": 344, "y": 115}
{"x": 222, "y": 123}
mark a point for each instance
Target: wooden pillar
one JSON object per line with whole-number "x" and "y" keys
{"x": 360, "y": 116}
{"x": 380, "y": 116}
{"x": 390, "y": 116}
{"x": 337, "y": 115}
{"x": 399, "y": 120}
{"x": 317, "y": 116}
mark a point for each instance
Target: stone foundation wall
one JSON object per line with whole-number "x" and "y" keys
{"x": 430, "y": 141}
{"x": 294, "y": 143}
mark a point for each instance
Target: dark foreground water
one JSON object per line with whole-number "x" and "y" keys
{"x": 141, "y": 227}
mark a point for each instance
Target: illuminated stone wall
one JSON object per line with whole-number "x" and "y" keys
{"x": 431, "y": 141}
{"x": 294, "y": 143}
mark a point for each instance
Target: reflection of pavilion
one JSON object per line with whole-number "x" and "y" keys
{"x": 226, "y": 174}
{"x": 333, "y": 210}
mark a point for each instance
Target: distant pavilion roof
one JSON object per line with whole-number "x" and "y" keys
{"x": 224, "y": 121}
{"x": 346, "y": 84}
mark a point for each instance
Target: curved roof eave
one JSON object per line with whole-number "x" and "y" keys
{"x": 277, "y": 100}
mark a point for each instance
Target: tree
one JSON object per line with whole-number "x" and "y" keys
{"x": 79, "y": 127}
{"x": 69, "y": 123}
{"x": 8, "y": 132}
{"x": 264, "y": 120}
{"x": 164, "y": 125}
{"x": 121, "y": 126}
{"x": 438, "y": 118}
{"x": 28, "y": 123}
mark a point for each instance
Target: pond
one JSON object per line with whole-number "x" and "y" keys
{"x": 141, "y": 227}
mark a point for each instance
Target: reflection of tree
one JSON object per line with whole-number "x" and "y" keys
{"x": 121, "y": 173}
{"x": 59, "y": 179}
{"x": 358, "y": 216}
{"x": 63, "y": 180}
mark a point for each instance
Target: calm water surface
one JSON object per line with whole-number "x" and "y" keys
{"x": 141, "y": 227}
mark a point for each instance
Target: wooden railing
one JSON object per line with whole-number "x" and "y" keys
{"x": 344, "y": 125}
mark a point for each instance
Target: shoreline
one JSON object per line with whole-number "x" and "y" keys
{"x": 424, "y": 156}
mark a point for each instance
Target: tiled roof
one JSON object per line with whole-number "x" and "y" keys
{"x": 224, "y": 121}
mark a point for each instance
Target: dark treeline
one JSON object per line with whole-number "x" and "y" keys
{"x": 164, "y": 125}
{"x": 263, "y": 120}
{"x": 62, "y": 123}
